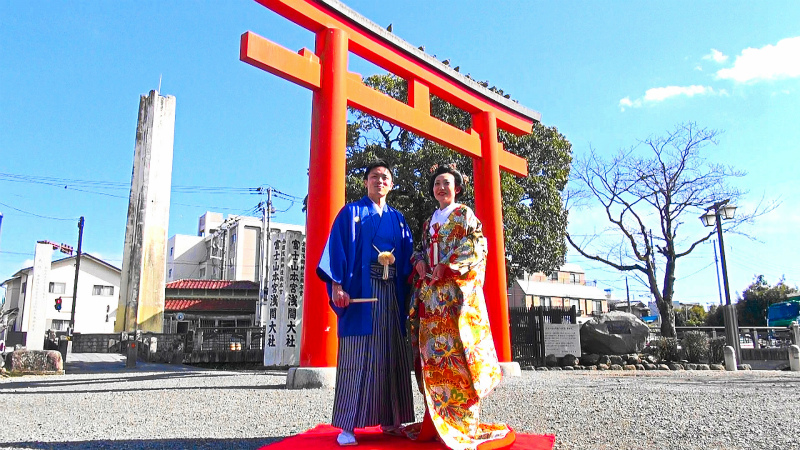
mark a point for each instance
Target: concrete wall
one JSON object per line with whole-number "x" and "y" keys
{"x": 141, "y": 303}
{"x": 185, "y": 256}
{"x": 96, "y": 343}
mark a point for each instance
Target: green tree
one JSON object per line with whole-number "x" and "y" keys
{"x": 714, "y": 318}
{"x": 648, "y": 194}
{"x": 533, "y": 214}
{"x": 752, "y": 304}
{"x": 690, "y": 316}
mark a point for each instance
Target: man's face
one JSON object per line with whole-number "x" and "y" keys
{"x": 378, "y": 182}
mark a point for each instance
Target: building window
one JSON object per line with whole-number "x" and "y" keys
{"x": 203, "y": 272}
{"x": 105, "y": 291}
{"x": 598, "y": 306}
{"x": 170, "y": 274}
{"x": 57, "y": 288}
{"x": 59, "y": 325}
{"x": 24, "y": 285}
{"x": 575, "y": 278}
{"x": 171, "y": 251}
{"x": 545, "y": 301}
{"x": 576, "y": 303}
{"x": 554, "y": 276}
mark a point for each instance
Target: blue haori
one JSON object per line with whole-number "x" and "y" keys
{"x": 373, "y": 377}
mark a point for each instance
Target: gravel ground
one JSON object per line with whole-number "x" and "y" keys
{"x": 203, "y": 409}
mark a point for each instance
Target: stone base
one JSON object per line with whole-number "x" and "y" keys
{"x": 35, "y": 362}
{"x": 510, "y": 369}
{"x": 311, "y": 378}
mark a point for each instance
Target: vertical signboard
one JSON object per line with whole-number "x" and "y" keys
{"x": 274, "y": 288}
{"x": 292, "y": 296}
{"x": 284, "y": 299}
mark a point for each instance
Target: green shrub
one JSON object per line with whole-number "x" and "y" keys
{"x": 716, "y": 350}
{"x": 668, "y": 349}
{"x": 695, "y": 346}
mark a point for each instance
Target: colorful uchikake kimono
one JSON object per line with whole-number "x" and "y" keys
{"x": 455, "y": 360}
{"x": 373, "y": 376}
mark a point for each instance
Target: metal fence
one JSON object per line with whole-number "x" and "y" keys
{"x": 527, "y": 331}
{"x": 749, "y": 336}
{"x": 222, "y": 339}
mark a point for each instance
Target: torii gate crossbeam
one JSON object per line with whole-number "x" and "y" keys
{"x": 339, "y": 31}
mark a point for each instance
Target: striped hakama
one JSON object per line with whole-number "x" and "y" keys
{"x": 373, "y": 376}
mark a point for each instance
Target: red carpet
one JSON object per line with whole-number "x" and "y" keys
{"x": 323, "y": 437}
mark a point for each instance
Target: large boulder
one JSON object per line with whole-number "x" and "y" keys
{"x": 35, "y": 362}
{"x": 614, "y": 333}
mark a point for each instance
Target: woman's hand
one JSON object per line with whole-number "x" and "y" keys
{"x": 339, "y": 297}
{"x": 439, "y": 272}
{"x": 422, "y": 268}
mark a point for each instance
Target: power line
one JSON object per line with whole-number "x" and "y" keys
{"x": 112, "y": 185}
{"x": 38, "y": 215}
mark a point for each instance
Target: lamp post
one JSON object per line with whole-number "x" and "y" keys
{"x": 713, "y": 217}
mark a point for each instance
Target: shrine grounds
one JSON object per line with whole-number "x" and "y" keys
{"x": 154, "y": 406}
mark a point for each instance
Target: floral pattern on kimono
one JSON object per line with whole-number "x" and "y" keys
{"x": 456, "y": 359}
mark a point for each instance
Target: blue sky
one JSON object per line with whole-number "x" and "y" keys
{"x": 606, "y": 74}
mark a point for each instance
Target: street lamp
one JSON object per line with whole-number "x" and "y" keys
{"x": 713, "y": 217}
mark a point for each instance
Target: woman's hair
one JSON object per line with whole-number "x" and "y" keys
{"x": 378, "y": 163}
{"x": 457, "y": 178}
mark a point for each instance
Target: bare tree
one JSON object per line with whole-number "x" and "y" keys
{"x": 648, "y": 192}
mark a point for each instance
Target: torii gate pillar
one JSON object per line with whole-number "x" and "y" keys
{"x": 325, "y": 193}
{"x": 486, "y": 173}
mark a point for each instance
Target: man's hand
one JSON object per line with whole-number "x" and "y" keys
{"x": 422, "y": 268}
{"x": 339, "y": 297}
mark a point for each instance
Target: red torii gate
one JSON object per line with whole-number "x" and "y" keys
{"x": 340, "y": 30}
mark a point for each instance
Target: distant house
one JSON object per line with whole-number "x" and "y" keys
{"x": 96, "y": 306}
{"x": 191, "y": 304}
{"x": 563, "y": 288}
{"x": 637, "y": 308}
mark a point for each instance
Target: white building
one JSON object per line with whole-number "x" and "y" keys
{"x": 98, "y": 295}
{"x": 223, "y": 249}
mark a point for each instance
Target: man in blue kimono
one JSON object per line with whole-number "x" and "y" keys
{"x": 369, "y": 295}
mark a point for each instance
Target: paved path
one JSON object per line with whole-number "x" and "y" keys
{"x": 85, "y": 363}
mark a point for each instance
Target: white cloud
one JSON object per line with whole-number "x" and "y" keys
{"x": 663, "y": 93}
{"x": 627, "y": 103}
{"x": 655, "y": 95}
{"x": 716, "y": 56}
{"x": 770, "y": 62}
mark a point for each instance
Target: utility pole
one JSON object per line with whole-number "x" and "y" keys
{"x": 224, "y": 229}
{"x": 77, "y": 270}
{"x": 716, "y": 264}
{"x": 652, "y": 253}
{"x": 628, "y": 294}
{"x": 266, "y": 236}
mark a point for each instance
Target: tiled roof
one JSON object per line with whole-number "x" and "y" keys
{"x": 179, "y": 304}
{"x": 212, "y": 284}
